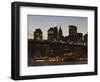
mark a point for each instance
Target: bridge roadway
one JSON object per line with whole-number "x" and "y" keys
{"x": 31, "y": 41}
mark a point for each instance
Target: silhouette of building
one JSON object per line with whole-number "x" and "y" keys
{"x": 74, "y": 37}
{"x": 85, "y": 38}
{"x": 60, "y": 35}
{"x": 72, "y": 29}
{"x": 51, "y": 34}
{"x": 79, "y": 37}
{"x": 54, "y": 34}
{"x": 38, "y": 34}
{"x": 66, "y": 38}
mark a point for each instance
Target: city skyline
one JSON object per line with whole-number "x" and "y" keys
{"x": 45, "y": 22}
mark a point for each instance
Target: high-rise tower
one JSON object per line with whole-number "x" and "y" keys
{"x": 60, "y": 34}
{"x": 72, "y": 29}
{"x": 38, "y": 34}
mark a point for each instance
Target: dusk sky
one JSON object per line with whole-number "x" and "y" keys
{"x": 44, "y": 22}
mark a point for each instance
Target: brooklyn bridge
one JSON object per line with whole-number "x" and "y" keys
{"x": 46, "y": 52}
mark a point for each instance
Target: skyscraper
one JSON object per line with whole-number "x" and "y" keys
{"x": 86, "y": 38}
{"x": 60, "y": 34}
{"x": 72, "y": 29}
{"x": 38, "y": 34}
{"x": 55, "y": 33}
{"x": 51, "y": 34}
